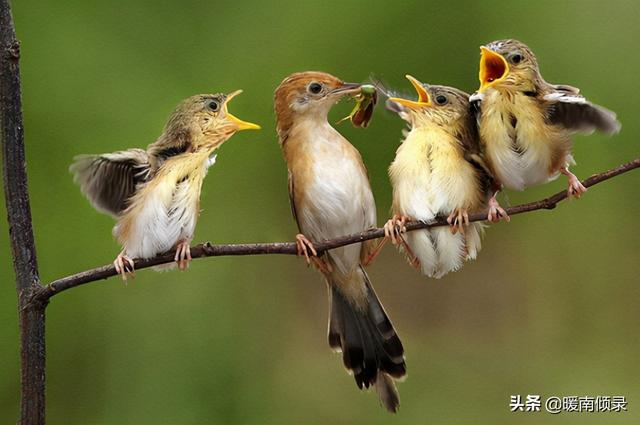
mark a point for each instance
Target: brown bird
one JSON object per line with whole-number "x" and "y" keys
{"x": 330, "y": 196}
{"x": 525, "y": 123}
{"x": 438, "y": 171}
{"x": 155, "y": 194}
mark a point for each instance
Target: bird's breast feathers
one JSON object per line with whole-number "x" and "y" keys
{"x": 164, "y": 211}
{"x": 522, "y": 147}
{"x": 331, "y": 190}
{"x": 430, "y": 176}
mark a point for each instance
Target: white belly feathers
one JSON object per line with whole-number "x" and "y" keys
{"x": 338, "y": 200}
{"x": 430, "y": 178}
{"x": 161, "y": 215}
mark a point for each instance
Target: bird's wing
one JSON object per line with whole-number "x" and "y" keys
{"x": 109, "y": 180}
{"x": 292, "y": 201}
{"x": 568, "y": 108}
{"x": 486, "y": 176}
{"x": 475, "y": 102}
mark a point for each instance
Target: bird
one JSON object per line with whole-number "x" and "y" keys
{"x": 525, "y": 123}
{"x": 154, "y": 194}
{"x": 438, "y": 170}
{"x": 330, "y": 196}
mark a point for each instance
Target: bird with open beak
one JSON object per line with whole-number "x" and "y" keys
{"x": 155, "y": 193}
{"x": 438, "y": 171}
{"x": 525, "y": 123}
{"x": 330, "y": 197}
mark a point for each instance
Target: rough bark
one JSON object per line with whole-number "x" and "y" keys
{"x": 31, "y": 314}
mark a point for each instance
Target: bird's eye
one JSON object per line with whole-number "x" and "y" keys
{"x": 214, "y": 105}
{"x": 315, "y": 88}
{"x": 441, "y": 99}
{"x": 517, "y": 58}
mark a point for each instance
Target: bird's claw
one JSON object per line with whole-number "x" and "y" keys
{"x": 496, "y": 212}
{"x": 458, "y": 219}
{"x": 576, "y": 188}
{"x": 183, "y": 255}
{"x": 304, "y": 245}
{"x": 393, "y": 230}
{"x": 394, "y": 227}
{"x": 124, "y": 266}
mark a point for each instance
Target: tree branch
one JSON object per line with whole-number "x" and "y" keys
{"x": 289, "y": 248}
{"x": 31, "y": 315}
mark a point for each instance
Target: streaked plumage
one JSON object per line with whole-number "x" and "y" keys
{"x": 330, "y": 196}
{"x": 154, "y": 194}
{"x": 525, "y": 123}
{"x": 438, "y": 171}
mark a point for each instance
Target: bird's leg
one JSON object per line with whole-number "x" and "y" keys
{"x": 376, "y": 251}
{"x": 183, "y": 254}
{"x": 394, "y": 227}
{"x": 390, "y": 232}
{"x": 458, "y": 218}
{"x": 496, "y": 212}
{"x": 393, "y": 230}
{"x": 576, "y": 188}
{"x": 124, "y": 266}
{"x": 306, "y": 248}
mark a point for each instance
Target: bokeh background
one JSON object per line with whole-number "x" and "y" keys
{"x": 549, "y": 308}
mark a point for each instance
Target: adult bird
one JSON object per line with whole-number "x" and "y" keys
{"x": 525, "y": 123}
{"x": 155, "y": 193}
{"x": 438, "y": 171}
{"x": 330, "y": 196}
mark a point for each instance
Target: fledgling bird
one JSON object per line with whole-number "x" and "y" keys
{"x": 330, "y": 197}
{"x": 525, "y": 123}
{"x": 438, "y": 171}
{"x": 155, "y": 193}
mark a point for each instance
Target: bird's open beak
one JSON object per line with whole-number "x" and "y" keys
{"x": 241, "y": 125}
{"x": 346, "y": 88}
{"x": 493, "y": 68}
{"x": 423, "y": 96}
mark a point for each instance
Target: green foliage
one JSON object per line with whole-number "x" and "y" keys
{"x": 550, "y": 307}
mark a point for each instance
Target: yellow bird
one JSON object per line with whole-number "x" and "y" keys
{"x": 155, "y": 194}
{"x": 330, "y": 196}
{"x": 438, "y": 171}
{"x": 525, "y": 123}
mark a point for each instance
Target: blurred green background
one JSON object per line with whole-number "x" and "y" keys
{"x": 550, "y": 307}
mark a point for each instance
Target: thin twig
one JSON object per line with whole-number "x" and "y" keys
{"x": 289, "y": 248}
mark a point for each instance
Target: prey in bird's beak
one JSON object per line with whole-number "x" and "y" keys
{"x": 366, "y": 99}
{"x": 493, "y": 68}
{"x": 423, "y": 96}
{"x": 241, "y": 125}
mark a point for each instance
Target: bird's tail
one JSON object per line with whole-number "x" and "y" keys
{"x": 439, "y": 251}
{"x": 370, "y": 346}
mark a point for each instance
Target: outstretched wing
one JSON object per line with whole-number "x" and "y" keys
{"x": 566, "y": 107}
{"x": 109, "y": 180}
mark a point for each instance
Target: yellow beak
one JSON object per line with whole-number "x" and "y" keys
{"x": 423, "y": 95}
{"x": 494, "y": 68}
{"x": 241, "y": 125}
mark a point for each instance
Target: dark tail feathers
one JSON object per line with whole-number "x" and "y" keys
{"x": 370, "y": 346}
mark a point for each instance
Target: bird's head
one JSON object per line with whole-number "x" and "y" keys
{"x": 205, "y": 121}
{"x": 443, "y": 106}
{"x": 508, "y": 64}
{"x": 309, "y": 95}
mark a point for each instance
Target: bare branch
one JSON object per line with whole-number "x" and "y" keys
{"x": 20, "y": 229}
{"x": 289, "y": 248}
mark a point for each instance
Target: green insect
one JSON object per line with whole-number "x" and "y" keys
{"x": 366, "y": 100}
